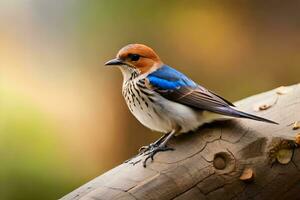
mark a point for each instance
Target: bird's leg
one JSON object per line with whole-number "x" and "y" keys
{"x": 161, "y": 147}
{"x": 144, "y": 149}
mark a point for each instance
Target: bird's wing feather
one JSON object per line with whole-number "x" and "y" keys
{"x": 175, "y": 86}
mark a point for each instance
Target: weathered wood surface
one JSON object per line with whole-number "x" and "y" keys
{"x": 237, "y": 159}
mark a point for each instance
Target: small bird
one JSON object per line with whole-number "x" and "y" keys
{"x": 165, "y": 100}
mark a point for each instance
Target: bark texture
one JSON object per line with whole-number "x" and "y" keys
{"x": 236, "y": 159}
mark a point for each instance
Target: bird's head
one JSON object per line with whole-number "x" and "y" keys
{"x": 136, "y": 58}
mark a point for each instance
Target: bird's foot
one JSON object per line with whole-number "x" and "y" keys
{"x": 145, "y": 149}
{"x": 154, "y": 150}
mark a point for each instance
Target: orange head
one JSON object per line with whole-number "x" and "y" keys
{"x": 137, "y": 56}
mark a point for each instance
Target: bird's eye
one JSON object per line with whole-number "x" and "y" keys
{"x": 134, "y": 57}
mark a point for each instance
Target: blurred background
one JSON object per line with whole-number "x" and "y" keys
{"x": 62, "y": 117}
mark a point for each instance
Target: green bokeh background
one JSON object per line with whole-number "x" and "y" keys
{"x": 62, "y": 117}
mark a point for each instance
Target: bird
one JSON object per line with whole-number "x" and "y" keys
{"x": 165, "y": 100}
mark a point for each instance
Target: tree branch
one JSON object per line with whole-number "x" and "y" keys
{"x": 236, "y": 159}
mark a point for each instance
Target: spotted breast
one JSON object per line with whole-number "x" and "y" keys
{"x": 156, "y": 112}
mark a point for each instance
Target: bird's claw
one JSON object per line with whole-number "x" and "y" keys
{"x": 154, "y": 150}
{"x": 148, "y": 148}
{"x": 144, "y": 150}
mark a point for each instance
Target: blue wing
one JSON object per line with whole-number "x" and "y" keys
{"x": 167, "y": 78}
{"x": 177, "y": 87}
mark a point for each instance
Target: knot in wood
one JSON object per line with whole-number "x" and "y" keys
{"x": 219, "y": 161}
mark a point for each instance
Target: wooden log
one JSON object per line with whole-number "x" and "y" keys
{"x": 236, "y": 159}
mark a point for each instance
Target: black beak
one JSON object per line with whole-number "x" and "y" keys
{"x": 114, "y": 61}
